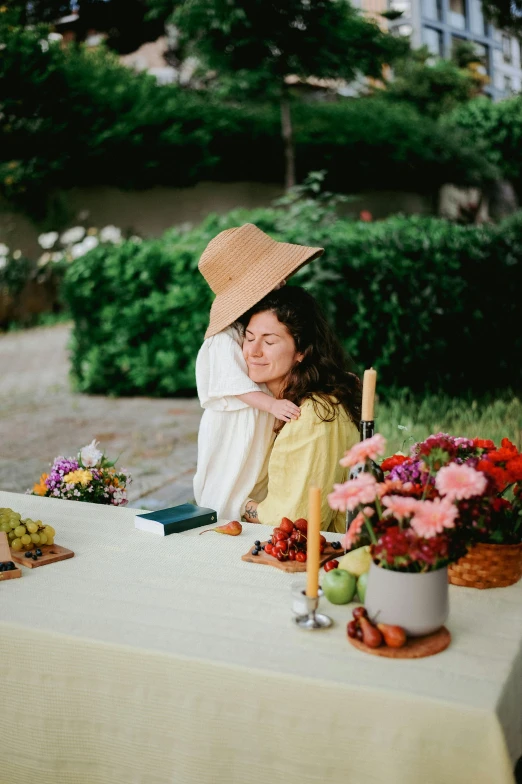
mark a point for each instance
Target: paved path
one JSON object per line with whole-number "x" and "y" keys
{"x": 41, "y": 418}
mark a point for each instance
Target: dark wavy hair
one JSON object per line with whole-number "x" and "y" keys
{"x": 323, "y": 375}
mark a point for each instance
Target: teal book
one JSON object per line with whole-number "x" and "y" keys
{"x": 175, "y": 519}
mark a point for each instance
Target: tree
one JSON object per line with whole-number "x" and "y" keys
{"x": 258, "y": 43}
{"x": 505, "y": 14}
{"x": 439, "y": 87}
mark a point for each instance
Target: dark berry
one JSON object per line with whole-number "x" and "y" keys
{"x": 28, "y": 554}
{"x": 2, "y": 567}
{"x": 257, "y": 543}
{"x": 336, "y": 545}
{"x": 38, "y": 551}
{"x": 255, "y": 551}
{"x": 10, "y": 566}
{"x": 34, "y": 557}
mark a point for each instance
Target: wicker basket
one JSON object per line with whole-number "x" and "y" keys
{"x": 488, "y": 566}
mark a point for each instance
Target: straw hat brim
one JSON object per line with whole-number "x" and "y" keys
{"x": 258, "y": 280}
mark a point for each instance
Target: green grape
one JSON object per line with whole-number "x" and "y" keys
{"x": 20, "y": 530}
{"x": 35, "y": 538}
{"x": 50, "y": 540}
{"x": 5, "y": 527}
{"x": 13, "y": 523}
{"x": 26, "y": 539}
{"x": 16, "y": 544}
{"x": 31, "y": 527}
{"x": 11, "y": 535}
{"x": 49, "y": 530}
{"x": 43, "y": 539}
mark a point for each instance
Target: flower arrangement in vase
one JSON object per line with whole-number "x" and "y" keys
{"x": 89, "y": 477}
{"x": 434, "y": 504}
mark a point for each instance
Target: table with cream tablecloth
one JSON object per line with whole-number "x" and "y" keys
{"x": 150, "y": 660}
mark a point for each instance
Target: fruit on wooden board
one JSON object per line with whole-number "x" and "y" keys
{"x": 374, "y": 635}
{"x": 394, "y": 636}
{"x": 24, "y": 533}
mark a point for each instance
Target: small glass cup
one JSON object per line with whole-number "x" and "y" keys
{"x": 305, "y": 609}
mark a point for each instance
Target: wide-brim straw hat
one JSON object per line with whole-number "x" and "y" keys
{"x": 242, "y": 266}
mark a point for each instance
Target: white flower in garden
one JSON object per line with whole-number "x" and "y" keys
{"x": 44, "y": 45}
{"x": 76, "y": 234}
{"x": 135, "y": 239}
{"x": 3, "y": 262}
{"x": 4, "y": 250}
{"x": 56, "y": 256}
{"x": 17, "y": 254}
{"x": 84, "y": 247}
{"x": 110, "y": 234}
{"x": 46, "y": 241}
{"x": 54, "y": 37}
{"x": 44, "y": 259}
{"x": 90, "y": 455}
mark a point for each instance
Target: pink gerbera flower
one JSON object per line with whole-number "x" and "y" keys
{"x": 460, "y": 481}
{"x": 368, "y": 449}
{"x": 356, "y": 527}
{"x": 432, "y": 517}
{"x": 400, "y": 506}
{"x": 362, "y": 490}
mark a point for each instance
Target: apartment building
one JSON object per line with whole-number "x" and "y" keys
{"x": 441, "y": 24}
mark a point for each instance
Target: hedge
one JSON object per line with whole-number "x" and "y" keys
{"x": 74, "y": 116}
{"x": 433, "y": 305}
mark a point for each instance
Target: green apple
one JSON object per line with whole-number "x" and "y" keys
{"x": 339, "y": 586}
{"x": 362, "y": 582}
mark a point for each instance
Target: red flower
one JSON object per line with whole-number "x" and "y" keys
{"x": 484, "y": 443}
{"x": 394, "y": 460}
{"x": 498, "y": 476}
{"x": 514, "y": 469}
{"x": 366, "y": 215}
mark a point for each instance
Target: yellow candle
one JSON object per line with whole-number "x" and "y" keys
{"x": 312, "y": 542}
{"x": 368, "y": 395}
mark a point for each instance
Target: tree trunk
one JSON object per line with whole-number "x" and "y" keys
{"x": 288, "y": 139}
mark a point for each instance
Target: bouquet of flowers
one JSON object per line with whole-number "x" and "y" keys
{"x": 89, "y": 477}
{"x": 447, "y": 495}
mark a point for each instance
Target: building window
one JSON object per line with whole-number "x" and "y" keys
{"x": 432, "y": 9}
{"x": 433, "y": 40}
{"x": 507, "y": 53}
{"x": 457, "y": 14}
{"x": 478, "y": 24}
{"x": 508, "y": 85}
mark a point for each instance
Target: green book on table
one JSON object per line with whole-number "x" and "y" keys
{"x": 175, "y": 519}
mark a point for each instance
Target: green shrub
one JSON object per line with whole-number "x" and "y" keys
{"x": 497, "y": 128}
{"x": 73, "y": 116}
{"x": 433, "y": 305}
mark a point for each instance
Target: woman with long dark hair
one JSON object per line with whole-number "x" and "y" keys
{"x": 289, "y": 346}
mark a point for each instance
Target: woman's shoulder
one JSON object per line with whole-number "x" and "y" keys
{"x": 315, "y": 411}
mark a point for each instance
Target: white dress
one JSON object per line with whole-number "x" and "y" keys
{"x": 234, "y": 438}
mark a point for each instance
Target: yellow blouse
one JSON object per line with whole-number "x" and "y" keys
{"x": 306, "y": 451}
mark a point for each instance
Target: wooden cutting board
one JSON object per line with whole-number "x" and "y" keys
{"x": 51, "y": 553}
{"x": 5, "y": 555}
{"x": 415, "y": 647}
{"x": 290, "y": 566}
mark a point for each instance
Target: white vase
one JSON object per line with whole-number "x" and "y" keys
{"x": 417, "y": 602}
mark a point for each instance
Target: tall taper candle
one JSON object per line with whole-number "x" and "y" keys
{"x": 368, "y": 395}
{"x": 313, "y": 542}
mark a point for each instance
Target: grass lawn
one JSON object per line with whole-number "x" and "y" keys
{"x": 405, "y": 420}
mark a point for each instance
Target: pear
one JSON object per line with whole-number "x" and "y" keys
{"x": 232, "y": 529}
{"x": 394, "y": 636}
{"x": 356, "y": 561}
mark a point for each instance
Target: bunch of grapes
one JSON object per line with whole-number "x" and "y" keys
{"x": 24, "y": 534}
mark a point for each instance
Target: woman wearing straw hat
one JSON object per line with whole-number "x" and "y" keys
{"x": 301, "y": 361}
{"x": 241, "y": 265}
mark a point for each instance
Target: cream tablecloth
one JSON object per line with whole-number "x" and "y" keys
{"x": 148, "y": 660}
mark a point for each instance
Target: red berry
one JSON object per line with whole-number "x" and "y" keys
{"x": 268, "y": 549}
{"x": 282, "y": 535}
{"x": 286, "y": 525}
{"x": 292, "y": 553}
{"x": 281, "y": 556}
{"x": 301, "y": 557}
{"x": 329, "y": 565}
{"x": 322, "y": 540}
{"x": 301, "y": 525}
